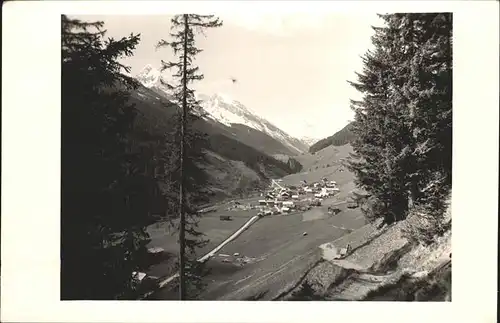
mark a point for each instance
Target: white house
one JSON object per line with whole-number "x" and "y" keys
{"x": 138, "y": 276}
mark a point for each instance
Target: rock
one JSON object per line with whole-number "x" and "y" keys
{"x": 236, "y": 254}
{"x": 420, "y": 274}
{"x": 155, "y": 250}
{"x": 304, "y": 234}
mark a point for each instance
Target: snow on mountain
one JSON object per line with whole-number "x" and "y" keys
{"x": 225, "y": 110}
{"x": 309, "y": 141}
{"x": 150, "y": 77}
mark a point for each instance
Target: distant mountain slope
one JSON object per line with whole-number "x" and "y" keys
{"x": 239, "y": 121}
{"x": 331, "y": 156}
{"x": 340, "y": 138}
{"x": 253, "y": 138}
{"x": 231, "y": 112}
{"x": 233, "y": 165}
{"x": 308, "y": 141}
{"x": 292, "y": 162}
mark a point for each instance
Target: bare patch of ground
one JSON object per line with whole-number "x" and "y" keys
{"x": 383, "y": 265}
{"x": 436, "y": 286}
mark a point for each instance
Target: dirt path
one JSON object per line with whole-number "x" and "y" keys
{"x": 228, "y": 240}
{"x": 355, "y": 287}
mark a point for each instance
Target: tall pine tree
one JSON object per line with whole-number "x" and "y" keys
{"x": 105, "y": 176}
{"x": 184, "y": 161}
{"x": 403, "y": 123}
{"x": 378, "y": 130}
{"x": 428, "y": 89}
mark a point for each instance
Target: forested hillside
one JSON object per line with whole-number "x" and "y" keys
{"x": 340, "y": 138}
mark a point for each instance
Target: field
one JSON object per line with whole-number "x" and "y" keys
{"x": 275, "y": 251}
{"x": 274, "y": 248}
{"x": 281, "y": 251}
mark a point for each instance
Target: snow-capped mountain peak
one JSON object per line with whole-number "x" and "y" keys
{"x": 309, "y": 141}
{"x": 224, "y": 109}
{"x": 148, "y": 76}
{"x": 151, "y": 77}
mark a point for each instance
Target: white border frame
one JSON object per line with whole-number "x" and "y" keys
{"x": 31, "y": 166}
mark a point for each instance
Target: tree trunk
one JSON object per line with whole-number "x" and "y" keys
{"x": 182, "y": 239}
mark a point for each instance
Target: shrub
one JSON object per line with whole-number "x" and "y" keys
{"x": 429, "y": 218}
{"x": 423, "y": 225}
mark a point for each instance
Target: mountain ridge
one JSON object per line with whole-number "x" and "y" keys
{"x": 229, "y": 112}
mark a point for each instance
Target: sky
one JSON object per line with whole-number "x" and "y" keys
{"x": 291, "y": 69}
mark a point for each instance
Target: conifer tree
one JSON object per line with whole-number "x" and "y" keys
{"x": 185, "y": 159}
{"x": 403, "y": 123}
{"x": 422, "y": 88}
{"x": 427, "y": 90}
{"x": 105, "y": 182}
{"x": 378, "y": 131}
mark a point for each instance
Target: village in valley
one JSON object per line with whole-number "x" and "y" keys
{"x": 282, "y": 200}
{"x": 305, "y": 211}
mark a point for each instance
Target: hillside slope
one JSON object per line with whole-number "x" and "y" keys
{"x": 231, "y": 112}
{"x": 232, "y": 165}
{"x": 331, "y": 156}
{"x": 253, "y": 138}
{"x": 340, "y": 138}
{"x": 383, "y": 266}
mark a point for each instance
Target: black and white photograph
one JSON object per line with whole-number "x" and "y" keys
{"x": 233, "y": 161}
{"x": 254, "y": 155}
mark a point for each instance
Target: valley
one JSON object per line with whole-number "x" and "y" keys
{"x": 276, "y": 253}
{"x": 274, "y": 249}
{"x": 245, "y": 154}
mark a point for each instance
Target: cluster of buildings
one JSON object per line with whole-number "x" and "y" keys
{"x": 281, "y": 199}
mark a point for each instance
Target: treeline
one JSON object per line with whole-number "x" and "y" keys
{"x": 117, "y": 175}
{"x": 340, "y": 138}
{"x": 403, "y": 125}
{"x": 261, "y": 163}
